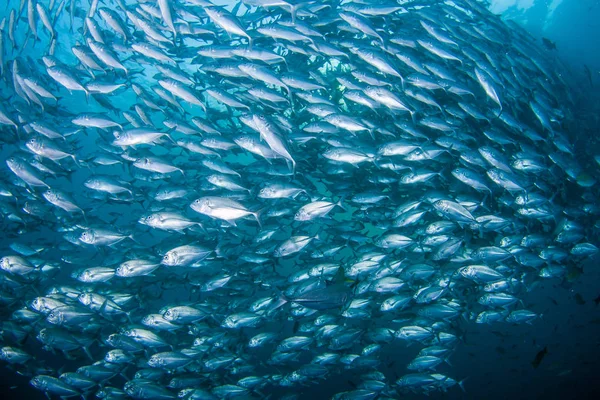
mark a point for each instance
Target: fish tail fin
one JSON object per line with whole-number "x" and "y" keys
{"x": 413, "y": 115}
{"x": 134, "y": 240}
{"x": 447, "y": 360}
{"x": 339, "y": 203}
{"x": 84, "y": 216}
{"x": 75, "y": 160}
{"x": 372, "y": 133}
{"x": 500, "y": 113}
{"x": 461, "y": 384}
{"x": 257, "y": 216}
{"x": 293, "y": 12}
{"x": 103, "y": 307}
{"x": 87, "y": 352}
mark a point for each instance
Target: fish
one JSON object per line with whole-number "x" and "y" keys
{"x": 550, "y": 45}
{"x": 588, "y": 75}
{"x": 539, "y": 357}
{"x": 262, "y": 197}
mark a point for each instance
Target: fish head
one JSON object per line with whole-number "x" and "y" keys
{"x": 88, "y": 237}
{"x": 37, "y": 304}
{"x": 387, "y": 304}
{"x": 5, "y": 354}
{"x": 85, "y": 276}
{"x": 215, "y": 179}
{"x": 408, "y": 177}
{"x": 113, "y": 339}
{"x": 247, "y": 68}
{"x": 458, "y": 173}
{"x": 84, "y": 118}
{"x": 481, "y": 318}
{"x": 243, "y": 141}
{"x": 34, "y": 144}
{"x": 149, "y": 320}
{"x": 161, "y": 194}
{"x": 494, "y": 174}
{"x": 50, "y": 195}
{"x": 382, "y": 242}
{"x": 266, "y": 193}
{"x": 92, "y": 183}
{"x": 202, "y": 205}
{"x": 123, "y": 270}
{"x": 110, "y": 357}
{"x": 152, "y": 220}
{"x": 229, "y": 322}
{"x": 55, "y": 317}
{"x": 185, "y": 393}
{"x": 333, "y": 154}
{"x": 301, "y": 215}
{"x": 130, "y": 333}
{"x": 14, "y": 164}
{"x": 442, "y": 205}
{"x": 385, "y": 150}
{"x": 489, "y": 287}
{"x": 131, "y": 388}
{"x": 518, "y": 164}
{"x": 28, "y": 207}
{"x": 142, "y": 162}
{"x": 42, "y": 336}
{"x": 119, "y": 136}
{"x": 279, "y": 252}
{"x": 171, "y": 314}
{"x": 477, "y": 254}
{"x": 39, "y": 383}
{"x": 521, "y": 200}
{"x": 512, "y": 318}
{"x": 171, "y": 258}
{"x": 467, "y": 272}
{"x": 4, "y": 263}
{"x": 260, "y": 121}
{"x": 85, "y": 299}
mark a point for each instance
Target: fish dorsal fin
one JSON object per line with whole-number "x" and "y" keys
{"x": 338, "y": 279}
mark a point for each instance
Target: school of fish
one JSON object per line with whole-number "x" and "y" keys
{"x": 208, "y": 202}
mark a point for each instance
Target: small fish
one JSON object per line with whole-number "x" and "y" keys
{"x": 550, "y": 45}
{"x": 539, "y": 357}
